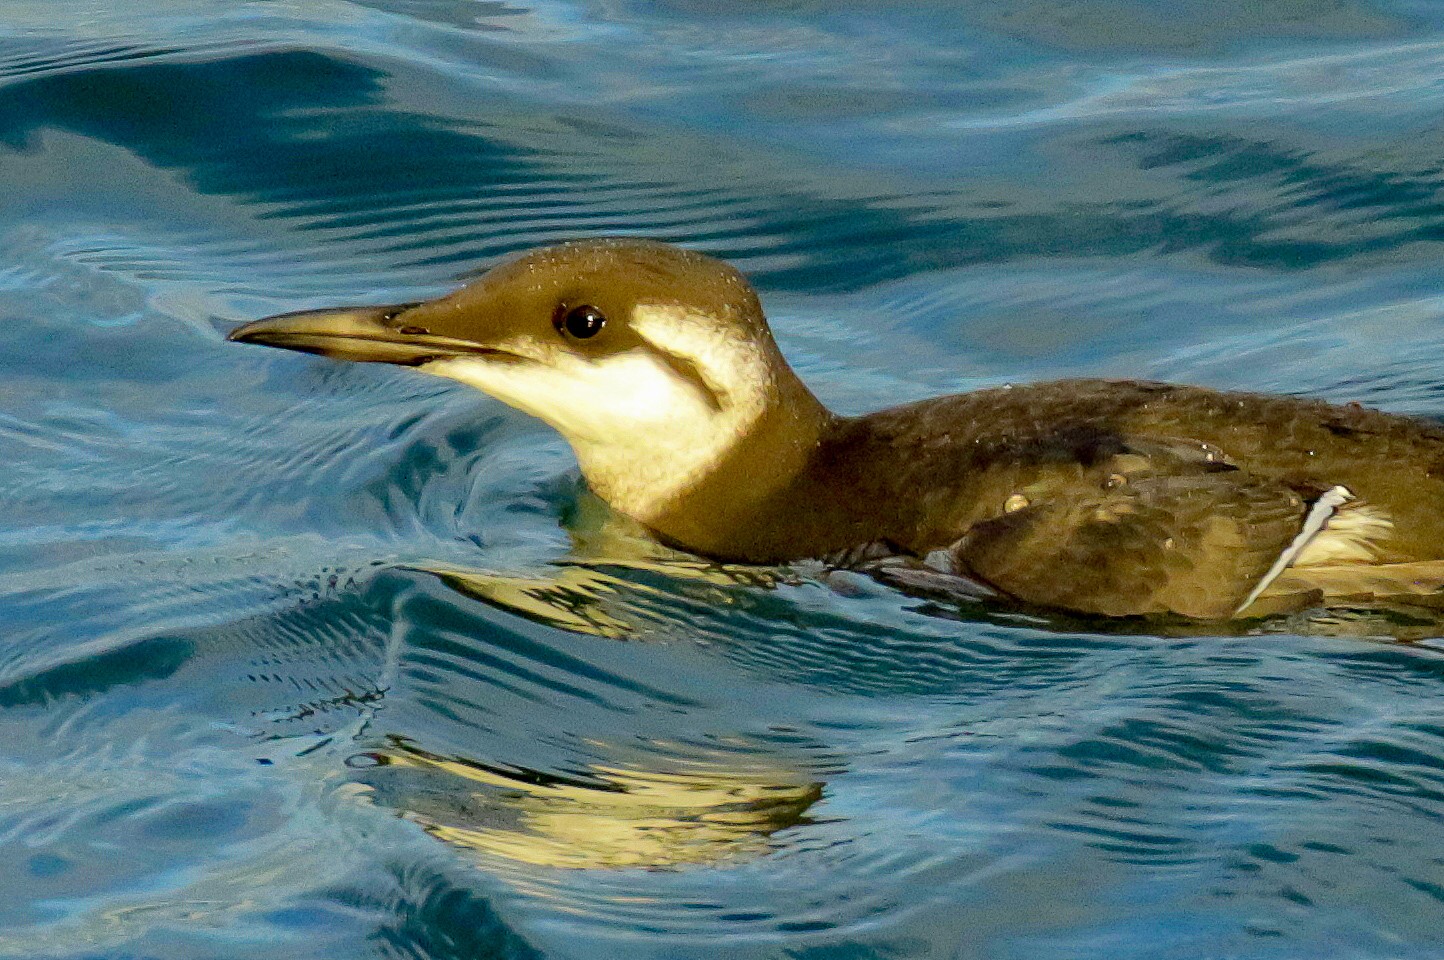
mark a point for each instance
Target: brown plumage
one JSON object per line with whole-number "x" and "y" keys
{"x": 1101, "y": 497}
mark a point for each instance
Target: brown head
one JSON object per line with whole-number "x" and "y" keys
{"x": 653, "y": 361}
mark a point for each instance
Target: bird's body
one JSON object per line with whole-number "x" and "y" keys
{"x": 1111, "y": 497}
{"x": 1102, "y": 497}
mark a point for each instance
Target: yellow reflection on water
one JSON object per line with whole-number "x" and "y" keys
{"x": 701, "y": 810}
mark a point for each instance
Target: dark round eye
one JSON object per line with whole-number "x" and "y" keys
{"x": 580, "y": 323}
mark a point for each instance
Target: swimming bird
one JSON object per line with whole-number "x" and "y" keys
{"x": 1101, "y": 497}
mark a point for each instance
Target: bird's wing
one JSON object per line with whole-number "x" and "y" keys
{"x": 1197, "y": 543}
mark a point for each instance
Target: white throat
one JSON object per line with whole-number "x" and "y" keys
{"x": 643, "y": 429}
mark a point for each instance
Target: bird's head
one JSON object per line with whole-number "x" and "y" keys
{"x": 651, "y": 360}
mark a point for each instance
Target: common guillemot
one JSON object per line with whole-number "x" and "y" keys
{"x": 1102, "y": 497}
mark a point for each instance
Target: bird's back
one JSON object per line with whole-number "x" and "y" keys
{"x": 956, "y": 460}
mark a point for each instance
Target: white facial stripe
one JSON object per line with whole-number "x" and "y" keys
{"x": 733, "y": 367}
{"x": 642, "y": 430}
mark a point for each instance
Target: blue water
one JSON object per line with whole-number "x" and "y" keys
{"x": 305, "y": 659}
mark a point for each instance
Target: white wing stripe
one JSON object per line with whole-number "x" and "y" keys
{"x": 1324, "y": 508}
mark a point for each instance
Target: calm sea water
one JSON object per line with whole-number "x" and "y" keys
{"x": 302, "y": 659}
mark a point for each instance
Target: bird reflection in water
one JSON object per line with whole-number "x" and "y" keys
{"x": 601, "y": 587}
{"x": 701, "y": 811}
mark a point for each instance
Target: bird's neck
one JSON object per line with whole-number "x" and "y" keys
{"x": 709, "y": 491}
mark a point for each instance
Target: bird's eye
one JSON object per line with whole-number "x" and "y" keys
{"x": 580, "y": 323}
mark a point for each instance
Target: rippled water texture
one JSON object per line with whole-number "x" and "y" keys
{"x": 301, "y": 659}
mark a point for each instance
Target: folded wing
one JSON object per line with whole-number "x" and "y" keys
{"x": 1198, "y": 544}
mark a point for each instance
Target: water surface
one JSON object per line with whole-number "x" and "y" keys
{"x": 302, "y": 659}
